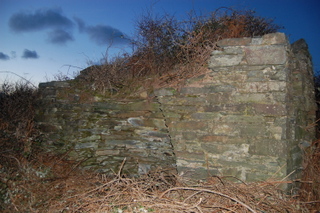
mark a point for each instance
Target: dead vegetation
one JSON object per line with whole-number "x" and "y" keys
{"x": 167, "y": 51}
{"x": 68, "y": 189}
{"x": 32, "y": 180}
{"x": 17, "y": 128}
{"x": 310, "y": 185}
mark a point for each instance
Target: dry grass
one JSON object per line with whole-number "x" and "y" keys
{"x": 65, "y": 188}
{"x": 310, "y": 184}
{"x": 17, "y": 127}
{"x": 34, "y": 181}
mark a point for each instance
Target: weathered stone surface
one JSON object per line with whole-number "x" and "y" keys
{"x": 107, "y": 152}
{"x": 135, "y": 121}
{"x": 269, "y": 109}
{"x": 54, "y": 84}
{"x": 189, "y": 125}
{"x": 234, "y": 42}
{"x": 165, "y": 92}
{"x": 275, "y": 38}
{"x": 257, "y": 55}
{"x": 218, "y": 60}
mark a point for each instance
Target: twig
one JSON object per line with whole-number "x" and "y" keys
{"x": 110, "y": 182}
{"x": 75, "y": 166}
{"x": 95, "y": 189}
{"x": 310, "y": 202}
{"x": 209, "y": 191}
{"x": 121, "y": 167}
{"x": 196, "y": 205}
{"x": 19, "y": 77}
{"x": 286, "y": 177}
{"x": 10, "y": 156}
{"x": 232, "y": 177}
{"x": 192, "y": 196}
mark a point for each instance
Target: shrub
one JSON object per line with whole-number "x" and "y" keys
{"x": 17, "y": 104}
{"x": 167, "y": 50}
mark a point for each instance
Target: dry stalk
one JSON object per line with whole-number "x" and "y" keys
{"x": 209, "y": 191}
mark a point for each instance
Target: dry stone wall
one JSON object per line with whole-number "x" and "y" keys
{"x": 247, "y": 117}
{"x": 104, "y": 133}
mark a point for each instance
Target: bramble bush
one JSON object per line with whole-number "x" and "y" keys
{"x": 168, "y": 50}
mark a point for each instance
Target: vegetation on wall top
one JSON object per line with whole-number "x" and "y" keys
{"x": 165, "y": 50}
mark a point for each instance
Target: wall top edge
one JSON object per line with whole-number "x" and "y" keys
{"x": 268, "y": 39}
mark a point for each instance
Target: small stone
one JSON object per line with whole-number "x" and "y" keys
{"x": 144, "y": 94}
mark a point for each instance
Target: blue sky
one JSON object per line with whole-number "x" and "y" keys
{"x": 40, "y": 38}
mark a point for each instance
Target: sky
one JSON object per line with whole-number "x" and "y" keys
{"x": 40, "y": 39}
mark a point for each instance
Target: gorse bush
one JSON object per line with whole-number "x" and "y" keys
{"x": 168, "y": 50}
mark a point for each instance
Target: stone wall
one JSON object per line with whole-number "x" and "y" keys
{"x": 247, "y": 117}
{"x": 104, "y": 132}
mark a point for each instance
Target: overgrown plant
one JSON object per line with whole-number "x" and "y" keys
{"x": 168, "y": 51}
{"x": 17, "y": 111}
{"x": 157, "y": 45}
{"x": 17, "y": 135}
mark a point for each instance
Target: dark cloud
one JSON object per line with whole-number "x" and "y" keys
{"x": 102, "y": 34}
{"x": 81, "y": 24}
{"x": 61, "y": 27}
{"x": 30, "y": 54}
{"x": 4, "y": 56}
{"x": 40, "y": 19}
{"x": 59, "y": 36}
